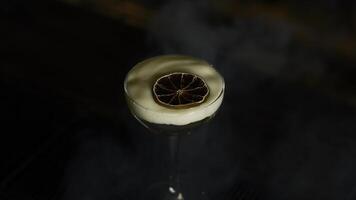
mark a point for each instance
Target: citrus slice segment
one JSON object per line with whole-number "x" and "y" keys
{"x": 180, "y": 90}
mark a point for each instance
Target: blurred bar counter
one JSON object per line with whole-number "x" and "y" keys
{"x": 56, "y": 43}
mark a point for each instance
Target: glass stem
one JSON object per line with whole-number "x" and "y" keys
{"x": 174, "y": 179}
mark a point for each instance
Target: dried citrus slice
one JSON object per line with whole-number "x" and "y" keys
{"x": 179, "y": 89}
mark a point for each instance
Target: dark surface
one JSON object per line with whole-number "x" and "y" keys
{"x": 66, "y": 132}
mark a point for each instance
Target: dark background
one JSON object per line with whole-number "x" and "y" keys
{"x": 286, "y": 129}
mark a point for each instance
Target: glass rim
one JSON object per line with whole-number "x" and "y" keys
{"x": 222, "y": 91}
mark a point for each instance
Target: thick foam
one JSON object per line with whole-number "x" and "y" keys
{"x": 140, "y": 79}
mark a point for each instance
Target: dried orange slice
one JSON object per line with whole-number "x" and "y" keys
{"x": 179, "y": 89}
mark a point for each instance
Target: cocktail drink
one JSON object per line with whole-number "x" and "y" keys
{"x": 171, "y": 95}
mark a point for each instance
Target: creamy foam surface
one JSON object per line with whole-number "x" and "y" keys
{"x": 140, "y": 79}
